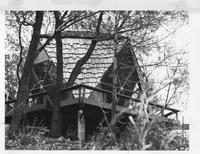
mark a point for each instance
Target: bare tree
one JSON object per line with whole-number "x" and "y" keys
{"x": 25, "y": 78}
{"x": 56, "y": 116}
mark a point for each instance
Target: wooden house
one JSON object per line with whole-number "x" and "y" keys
{"x": 92, "y": 90}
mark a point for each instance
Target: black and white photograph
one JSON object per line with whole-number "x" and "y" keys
{"x": 96, "y": 80}
{"x": 99, "y": 76}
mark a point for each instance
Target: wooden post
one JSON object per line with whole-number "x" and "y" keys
{"x": 176, "y": 115}
{"x": 81, "y": 118}
{"x": 162, "y": 112}
{"x": 7, "y": 127}
{"x": 81, "y": 126}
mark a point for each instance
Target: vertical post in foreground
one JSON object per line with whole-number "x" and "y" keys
{"x": 177, "y": 116}
{"x": 81, "y": 118}
{"x": 81, "y": 127}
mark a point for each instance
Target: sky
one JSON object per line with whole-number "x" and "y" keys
{"x": 192, "y": 114}
{"x": 180, "y": 41}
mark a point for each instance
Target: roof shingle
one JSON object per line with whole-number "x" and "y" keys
{"x": 98, "y": 66}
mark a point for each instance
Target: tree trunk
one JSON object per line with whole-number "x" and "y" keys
{"x": 114, "y": 95}
{"x": 23, "y": 93}
{"x": 56, "y": 123}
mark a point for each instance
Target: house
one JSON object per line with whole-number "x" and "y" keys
{"x": 92, "y": 90}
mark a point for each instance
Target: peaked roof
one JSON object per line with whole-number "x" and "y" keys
{"x": 127, "y": 72}
{"x": 99, "y": 67}
{"x": 74, "y": 49}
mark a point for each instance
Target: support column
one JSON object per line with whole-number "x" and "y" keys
{"x": 176, "y": 115}
{"x": 81, "y": 126}
{"x": 162, "y": 112}
{"x": 81, "y": 118}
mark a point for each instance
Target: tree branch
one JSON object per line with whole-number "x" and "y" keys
{"x": 20, "y": 54}
{"x": 77, "y": 69}
{"x": 60, "y": 28}
{"x": 64, "y": 25}
{"x": 99, "y": 22}
{"x": 63, "y": 16}
{"x": 124, "y": 20}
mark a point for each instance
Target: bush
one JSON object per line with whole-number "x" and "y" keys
{"x": 160, "y": 136}
{"x": 180, "y": 141}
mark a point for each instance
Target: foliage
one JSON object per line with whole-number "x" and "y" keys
{"x": 180, "y": 141}
{"x": 35, "y": 139}
{"x": 103, "y": 140}
{"x": 10, "y": 74}
{"x": 13, "y": 21}
{"x": 128, "y": 140}
{"x": 159, "y": 136}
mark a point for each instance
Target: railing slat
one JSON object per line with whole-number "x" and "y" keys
{"x": 120, "y": 95}
{"x": 98, "y": 90}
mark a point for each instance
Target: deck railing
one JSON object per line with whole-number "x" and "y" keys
{"x": 81, "y": 94}
{"x": 32, "y": 101}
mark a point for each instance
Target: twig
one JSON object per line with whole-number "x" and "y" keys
{"x": 77, "y": 69}
{"x": 20, "y": 54}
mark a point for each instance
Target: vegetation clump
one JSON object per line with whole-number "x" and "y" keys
{"x": 158, "y": 137}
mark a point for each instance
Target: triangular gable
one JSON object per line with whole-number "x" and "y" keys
{"x": 99, "y": 66}
{"x": 42, "y": 57}
{"x": 127, "y": 73}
